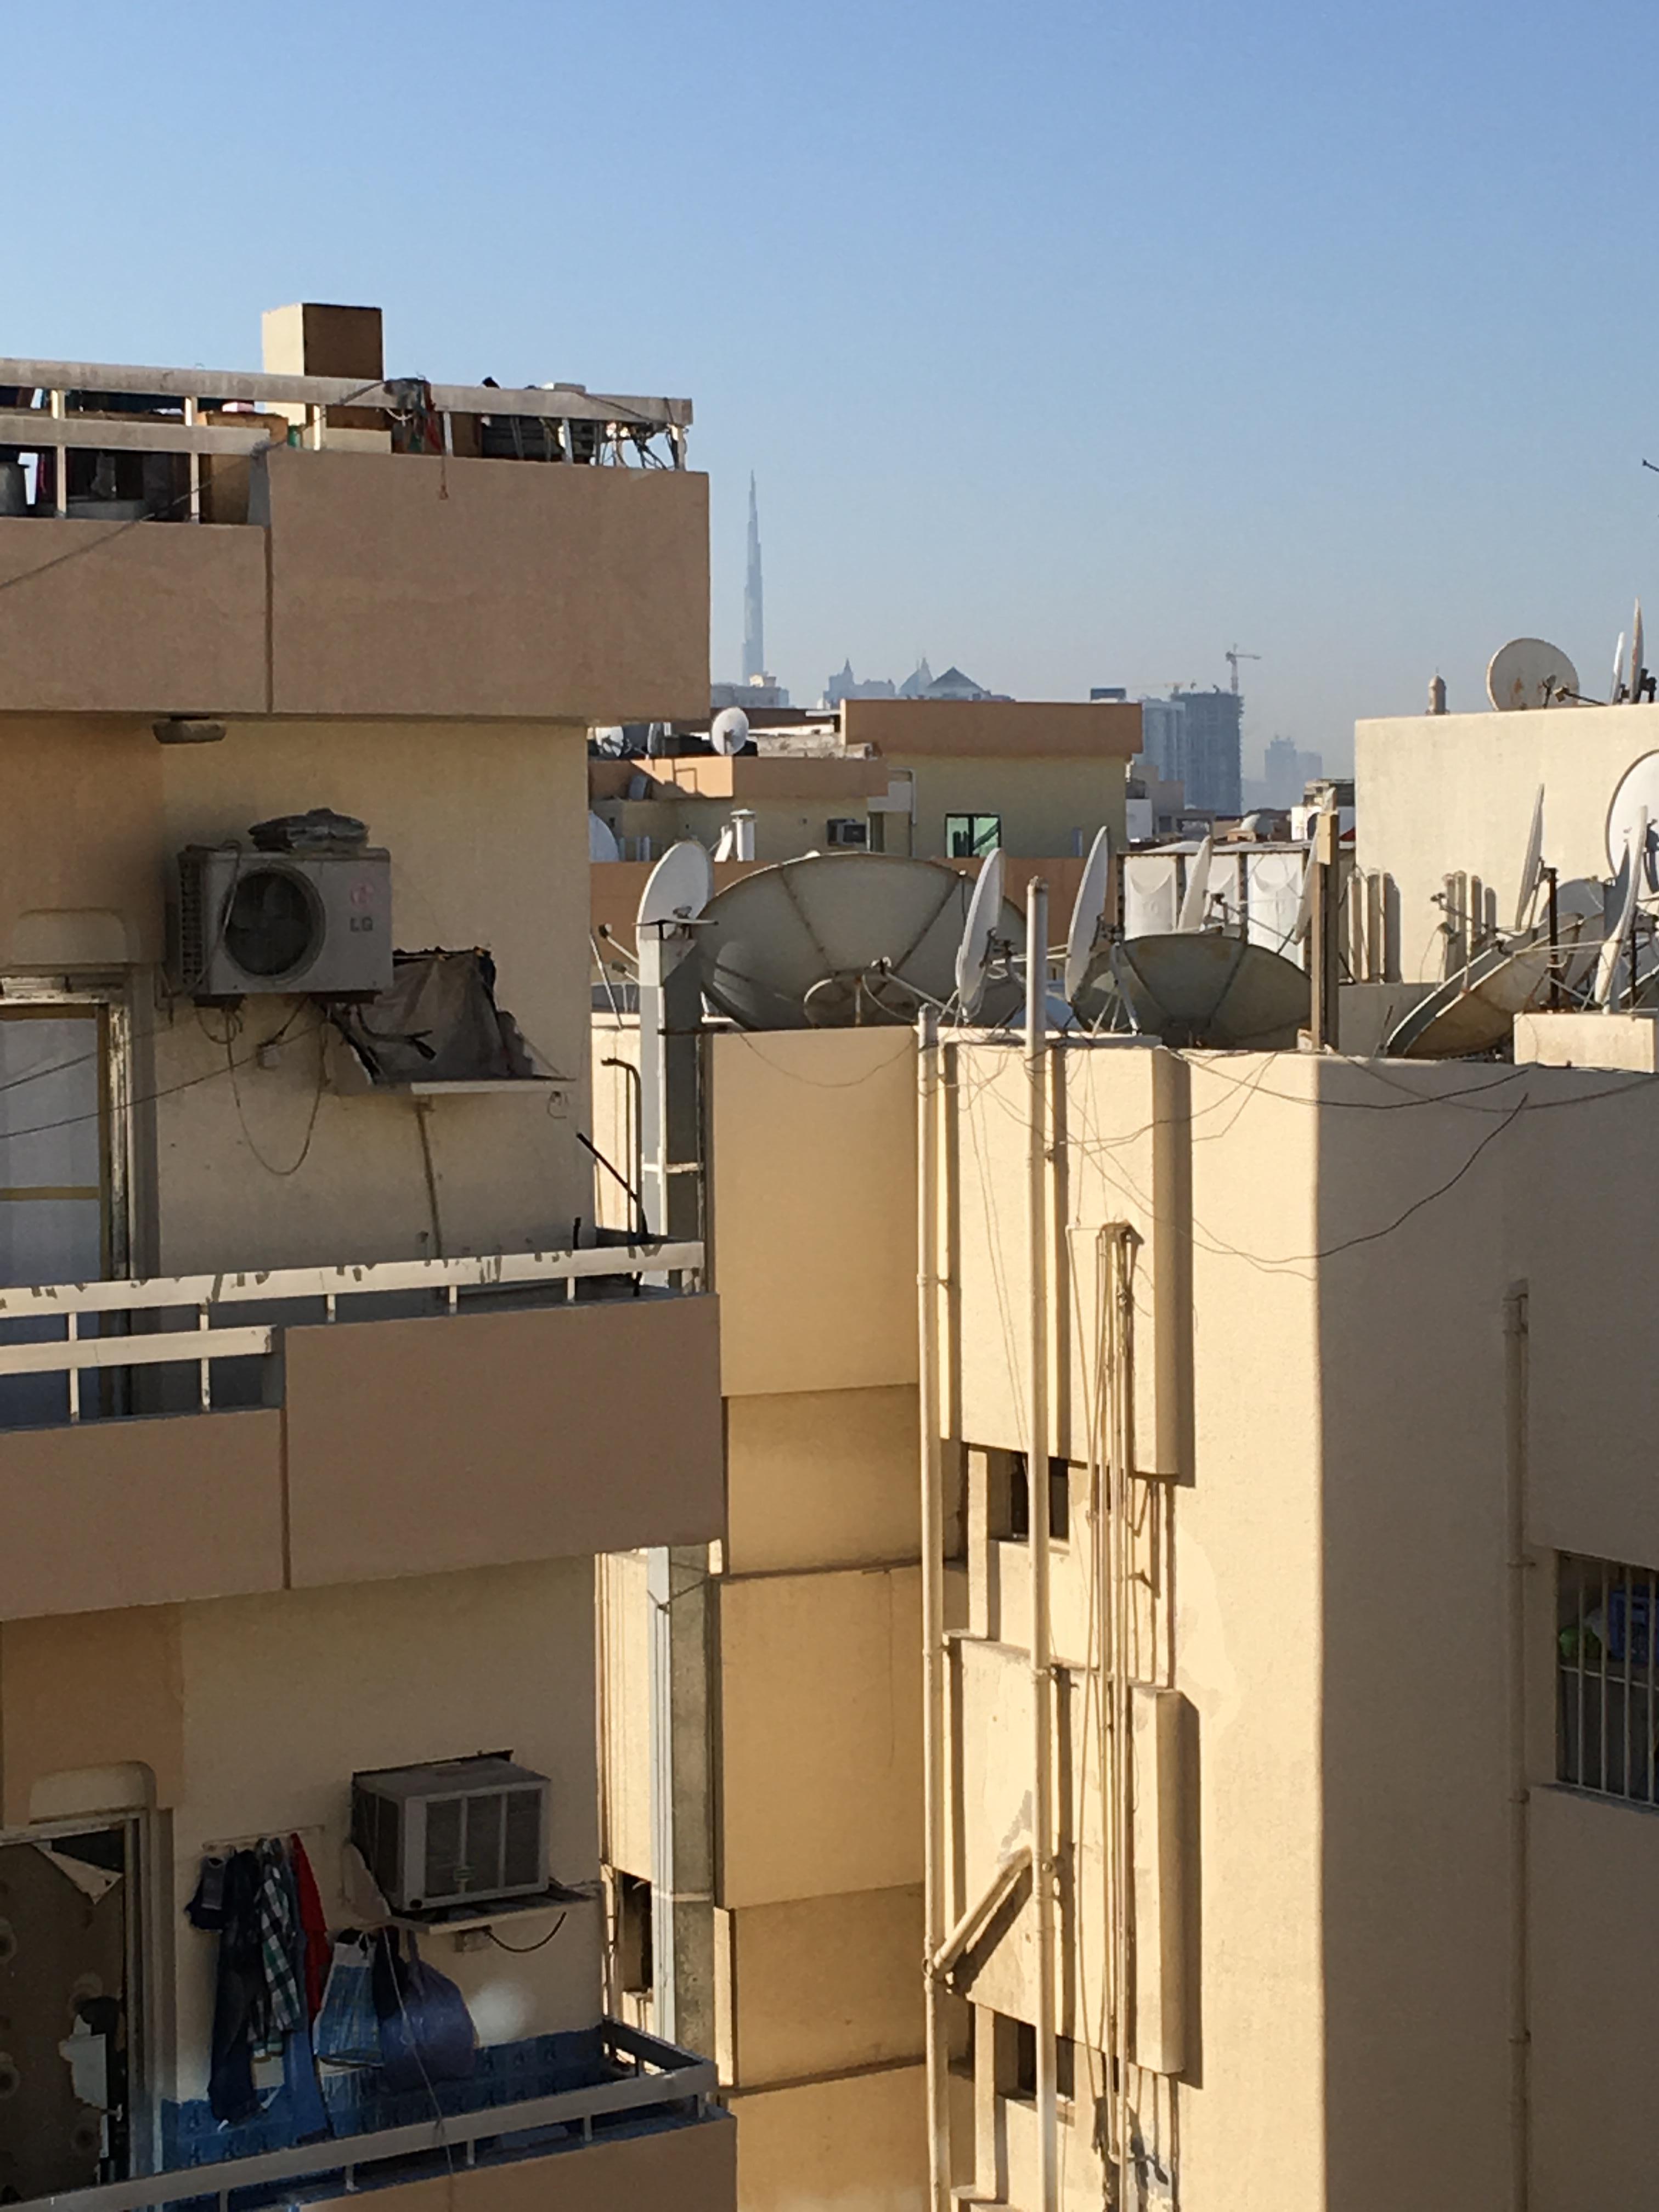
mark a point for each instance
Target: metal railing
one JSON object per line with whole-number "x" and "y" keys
{"x": 663, "y": 2077}
{"x": 613, "y": 427}
{"x": 201, "y": 1340}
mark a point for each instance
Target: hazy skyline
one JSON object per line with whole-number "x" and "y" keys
{"x": 1071, "y": 343}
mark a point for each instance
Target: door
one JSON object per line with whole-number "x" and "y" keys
{"x": 64, "y": 2008}
{"x": 57, "y": 1215}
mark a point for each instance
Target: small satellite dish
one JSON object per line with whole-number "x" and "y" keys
{"x": 1215, "y": 992}
{"x": 730, "y": 732}
{"x": 1527, "y": 672}
{"x": 1637, "y": 651}
{"x": 1195, "y": 902}
{"x": 678, "y": 887}
{"x": 1637, "y": 862}
{"x": 1532, "y": 868}
{"x": 1088, "y": 910}
{"x": 601, "y": 839}
{"x": 1619, "y": 690}
{"x": 611, "y": 741}
{"x": 1636, "y": 792}
{"x": 974, "y": 953}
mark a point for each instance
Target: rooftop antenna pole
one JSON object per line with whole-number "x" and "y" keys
{"x": 1037, "y": 1489}
{"x": 1325, "y": 930}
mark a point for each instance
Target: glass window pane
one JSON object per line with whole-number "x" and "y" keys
{"x": 49, "y": 1096}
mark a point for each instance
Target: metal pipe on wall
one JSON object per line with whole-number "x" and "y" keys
{"x": 1036, "y": 1483}
{"x": 1514, "y": 1364}
{"x": 936, "y": 1904}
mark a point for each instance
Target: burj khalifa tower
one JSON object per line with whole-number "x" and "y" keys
{"x": 754, "y": 608}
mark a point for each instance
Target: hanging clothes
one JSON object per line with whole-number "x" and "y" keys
{"x": 279, "y": 1944}
{"x": 314, "y": 1928}
{"x": 239, "y": 2000}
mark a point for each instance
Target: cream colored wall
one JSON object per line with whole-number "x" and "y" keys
{"x": 1437, "y": 794}
{"x": 1595, "y": 1876}
{"x": 485, "y": 826}
{"x": 80, "y": 1692}
{"x": 823, "y": 1984}
{"x": 1046, "y": 804}
{"x": 820, "y": 1734}
{"x": 854, "y": 2143}
{"x": 811, "y": 1188}
{"x": 624, "y": 1691}
{"x": 282, "y": 1698}
{"x": 821, "y": 1478}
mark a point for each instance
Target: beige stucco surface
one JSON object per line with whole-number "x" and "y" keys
{"x": 812, "y": 1196}
{"x": 820, "y": 1736}
{"x": 90, "y": 1691}
{"x": 821, "y": 1478}
{"x": 414, "y": 1446}
{"x": 857, "y": 2142}
{"x": 140, "y": 1512}
{"x": 825, "y": 1983}
{"x": 688, "y": 2169}
{"x": 1440, "y": 793}
{"x": 400, "y": 585}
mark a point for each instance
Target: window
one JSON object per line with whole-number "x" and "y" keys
{"x": 1010, "y": 1499}
{"x": 971, "y": 836}
{"x": 1605, "y": 1667}
{"x": 634, "y": 1965}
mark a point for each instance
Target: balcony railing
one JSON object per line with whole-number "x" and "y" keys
{"x": 192, "y": 1321}
{"x": 651, "y": 2079}
{"x": 54, "y": 410}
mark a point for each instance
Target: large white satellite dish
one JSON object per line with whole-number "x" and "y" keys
{"x": 838, "y": 940}
{"x": 1195, "y": 903}
{"x": 678, "y": 887}
{"x": 610, "y": 740}
{"x": 730, "y": 732}
{"x": 1636, "y": 650}
{"x": 1527, "y": 672}
{"x": 1088, "y": 910}
{"x": 1202, "y": 989}
{"x": 1634, "y": 873}
{"x": 1636, "y": 794}
{"x": 1532, "y": 868}
{"x": 974, "y": 952}
{"x": 601, "y": 839}
{"x": 1618, "y": 691}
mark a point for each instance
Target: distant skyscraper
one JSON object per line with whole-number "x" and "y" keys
{"x": 754, "y": 606}
{"x": 1192, "y": 738}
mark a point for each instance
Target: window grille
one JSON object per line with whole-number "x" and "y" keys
{"x": 971, "y": 836}
{"x": 1606, "y": 1675}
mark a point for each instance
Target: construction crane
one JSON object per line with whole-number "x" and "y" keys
{"x": 1233, "y": 659}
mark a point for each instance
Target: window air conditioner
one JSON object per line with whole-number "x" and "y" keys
{"x": 845, "y": 830}
{"x": 313, "y": 924}
{"x": 458, "y": 1832}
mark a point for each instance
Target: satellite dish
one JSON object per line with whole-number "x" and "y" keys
{"x": 601, "y": 839}
{"x": 730, "y": 731}
{"x": 1636, "y": 864}
{"x": 1088, "y": 910}
{"x": 1618, "y": 691}
{"x": 1221, "y": 994}
{"x": 678, "y": 887}
{"x": 1636, "y": 650}
{"x": 1532, "y": 868}
{"x": 1527, "y": 672}
{"x": 1195, "y": 900}
{"x": 974, "y": 953}
{"x": 1636, "y": 792}
{"x": 611, "y": 741}
{"x": 843, "y": 939}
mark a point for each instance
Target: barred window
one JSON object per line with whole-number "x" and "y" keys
{"x": 1606, "y": 1675}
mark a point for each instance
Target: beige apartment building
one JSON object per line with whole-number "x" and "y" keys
{"x": 1279, "y": 1769}
{"x": 319, "y": 1394}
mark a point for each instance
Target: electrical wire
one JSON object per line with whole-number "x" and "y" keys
{"x": 524, "y": 1950}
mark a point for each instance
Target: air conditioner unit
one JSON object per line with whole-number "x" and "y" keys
{"x": 845, "y": 830}
{"x": 315, "y": 925}
{"x": 458, "y": 1832}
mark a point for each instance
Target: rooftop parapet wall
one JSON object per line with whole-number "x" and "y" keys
{"x": 384, "y": 585}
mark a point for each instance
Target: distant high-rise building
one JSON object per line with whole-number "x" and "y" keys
{"x": 846, "y": 685}
{"x": 754, "y": 605}
{"x": 1193, "y": 738}
{"x": 1286, "y": 772}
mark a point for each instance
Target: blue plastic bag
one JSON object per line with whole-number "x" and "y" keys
{"x": 346, "y": 2029}
{"x": 427, "y": 2034}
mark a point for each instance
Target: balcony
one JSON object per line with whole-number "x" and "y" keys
{"x": 642, "y": 2132}
{"x": 219, "y": 1434}
{"x": 325, "y": 571}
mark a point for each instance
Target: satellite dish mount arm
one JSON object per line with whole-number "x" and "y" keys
{"x": 670, "y": 1111}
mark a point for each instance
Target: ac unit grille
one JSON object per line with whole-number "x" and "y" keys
{"x": 430, "y": 1842}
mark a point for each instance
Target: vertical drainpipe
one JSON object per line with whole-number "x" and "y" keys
{"x": 935, "y": 1903}
{"x": 1036, "y": 1483}
{"x": 1515, "y": 1392}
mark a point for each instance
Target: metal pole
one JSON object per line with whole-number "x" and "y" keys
{"x": 1036, "y": 1480}
{"x": 1515, "y": 1348}
{"x": 935, "y": 1903}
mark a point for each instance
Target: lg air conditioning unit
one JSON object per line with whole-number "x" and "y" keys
{"x": 316, "y": 925}
{"x": 847, "y": 830}
{"x": 460, "y": 1831}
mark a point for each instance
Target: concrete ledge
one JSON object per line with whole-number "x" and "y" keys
{"x": 1625, "y": 1041}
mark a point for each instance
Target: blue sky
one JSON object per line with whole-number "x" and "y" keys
{"x": 1071, "y": 343}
